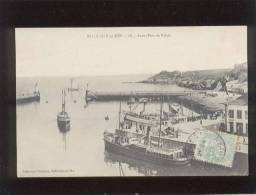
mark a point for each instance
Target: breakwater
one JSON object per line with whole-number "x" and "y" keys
{"x": 191, "y": 99}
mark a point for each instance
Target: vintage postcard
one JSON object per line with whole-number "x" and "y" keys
{"x": 132, "y": 101}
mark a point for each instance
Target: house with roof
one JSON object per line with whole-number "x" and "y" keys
{"x": 236, "y": 117}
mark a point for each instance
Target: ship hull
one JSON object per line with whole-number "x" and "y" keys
{"x": 141, "y": 155}
{"x": 64, "y": 125}
{"x": 22, "y": 100}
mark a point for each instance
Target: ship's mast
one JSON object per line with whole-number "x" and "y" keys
{"x": 226, "y": 111}
{"x": 226, "y": 107}
{"x": 144, "y": 106}
{"x": 119, "y": 116}
{"x": 36, "y": 89}
{"x": 161, "y": 109}
{"x": 71, "y": 83}
{"x": 63, "y": 100}
{"x": 86, "y": 93}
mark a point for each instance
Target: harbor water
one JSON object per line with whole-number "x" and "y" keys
{"x": 43, "y": 150}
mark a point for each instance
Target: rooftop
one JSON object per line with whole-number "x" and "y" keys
{"x": 241, "y": 101}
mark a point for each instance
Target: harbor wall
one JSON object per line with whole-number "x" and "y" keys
{"x": 28, "y": 99}
{"x": 188, "y": 99}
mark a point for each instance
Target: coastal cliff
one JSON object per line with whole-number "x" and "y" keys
{"x": 217, "y": 79}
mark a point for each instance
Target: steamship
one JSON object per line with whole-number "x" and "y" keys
{"x": 142, "y": 147}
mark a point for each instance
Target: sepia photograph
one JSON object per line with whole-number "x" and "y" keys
{"x": 132, "y": 101}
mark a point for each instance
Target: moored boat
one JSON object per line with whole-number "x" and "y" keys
{"x": 63, "y": 121}
{"x": 63, "y": 118}
{"x": 28, "y": 97}
{"x": 137, "y": 150}
{"x": 143, "y": 148}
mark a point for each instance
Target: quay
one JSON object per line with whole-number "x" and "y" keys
{"x": 195, "y": 100}
{"x": 27, "y": 98}
{"x": 125, "y": 95}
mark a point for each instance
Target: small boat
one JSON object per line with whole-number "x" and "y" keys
{"x": 63, "y": 118}
{"x": 143, "y": 148}
{"x": 28, "y": 97}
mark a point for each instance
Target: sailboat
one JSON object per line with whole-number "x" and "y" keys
{"x": 63, "y": 118}
{"x": 142, "y": 147}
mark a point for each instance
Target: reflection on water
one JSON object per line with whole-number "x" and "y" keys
{"x": 64, "y": 133}
{"x": 123, "y": 163}
{"x": 42, "y": 146}
{"x": 144, "y": 168}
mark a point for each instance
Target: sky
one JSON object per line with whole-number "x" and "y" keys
{"x": 127, "y": 50}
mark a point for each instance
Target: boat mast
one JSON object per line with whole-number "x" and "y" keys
{"x": 161, "y": 109}
{"x": 36, "y": 90}
{"x": 226, "y": 107}
{"x": 71, "y": 83}
{"x": 119, "y": 116}
{"x": 86, "y": 93}
{"x": 63, "y": 101}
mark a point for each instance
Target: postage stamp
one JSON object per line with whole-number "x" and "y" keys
{"x": 216, "y": 148}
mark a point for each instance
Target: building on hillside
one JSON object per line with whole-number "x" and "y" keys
{"x": 241, "y": 66}
{"x": 236, "y": 117}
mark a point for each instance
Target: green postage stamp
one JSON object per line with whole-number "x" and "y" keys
{"x": 216, "y": 148}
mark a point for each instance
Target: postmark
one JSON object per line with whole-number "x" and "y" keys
{"x": 215, "y": 148}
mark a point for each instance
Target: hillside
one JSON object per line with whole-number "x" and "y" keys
{"x": 203, "y": 79}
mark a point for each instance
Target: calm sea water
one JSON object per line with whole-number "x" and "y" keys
{"x": 45, "y": 151}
